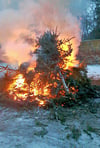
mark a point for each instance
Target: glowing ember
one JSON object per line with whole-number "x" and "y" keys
{"x": 73, "y": 90}
{"x": 36, "y": 90}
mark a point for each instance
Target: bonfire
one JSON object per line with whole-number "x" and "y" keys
{"x": 57, "y": 77}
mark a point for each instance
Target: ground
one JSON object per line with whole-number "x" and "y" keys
{"x": 76, "y": 127}
{"x": 94, "y": 73}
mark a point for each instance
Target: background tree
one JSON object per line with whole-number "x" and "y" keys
{"x": 96, "y": 30}
{"x": 88, "y": 21}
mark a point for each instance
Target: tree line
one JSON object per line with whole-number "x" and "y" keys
{"x": 90, "y": 21}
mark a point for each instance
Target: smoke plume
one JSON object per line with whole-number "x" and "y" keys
{"x": 31, "y": 18}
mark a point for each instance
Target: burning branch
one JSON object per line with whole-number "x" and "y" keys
{"x": 7, "y": 69}
{"x": 63, "y": 81}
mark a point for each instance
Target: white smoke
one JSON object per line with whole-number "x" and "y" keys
{"x": 79, "y": 7}
{"x": 19, "y": 19}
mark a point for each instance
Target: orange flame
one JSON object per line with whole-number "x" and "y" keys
{"x": 69, "y": 61}
{"x": 20, "y": 90}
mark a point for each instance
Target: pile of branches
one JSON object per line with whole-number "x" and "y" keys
{"x": 72, "y": 86}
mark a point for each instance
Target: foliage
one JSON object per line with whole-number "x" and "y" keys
{"x": 91, "y": 129}
{"x": 75, "y": 133}
{"x": 84, "y": 89}
{"x": 41, "y": 133}
{"x": 49, "y": 60}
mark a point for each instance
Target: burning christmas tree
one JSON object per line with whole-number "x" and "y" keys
{"x": 57, "y": 76}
